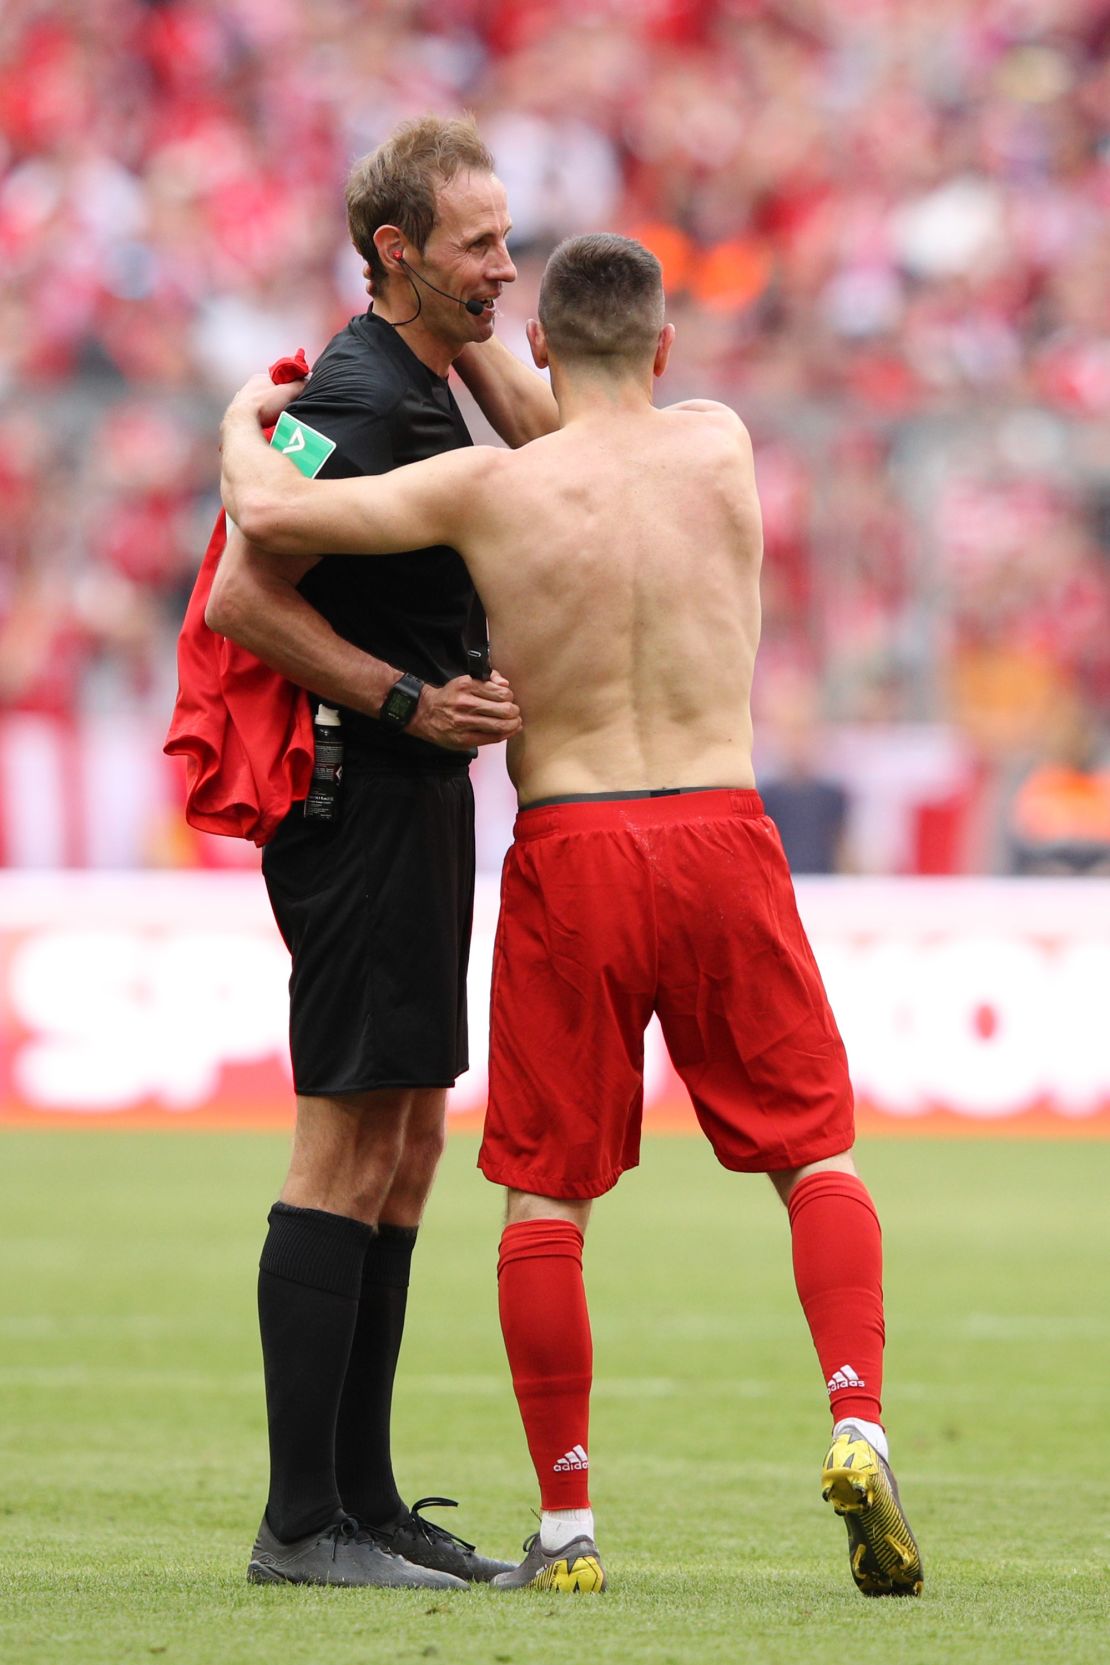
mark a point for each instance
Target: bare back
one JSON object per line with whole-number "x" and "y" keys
{"x": 618, "y": 560}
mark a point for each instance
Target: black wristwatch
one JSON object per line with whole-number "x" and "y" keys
{"x": 401, "y": 702}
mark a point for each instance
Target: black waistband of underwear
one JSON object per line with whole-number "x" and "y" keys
{"x": 611, "y": 797}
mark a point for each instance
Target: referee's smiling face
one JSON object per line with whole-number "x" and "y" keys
{"x": 467, "y": 256}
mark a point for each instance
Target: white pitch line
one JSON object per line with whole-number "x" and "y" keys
{"x": 997, "y": 1326}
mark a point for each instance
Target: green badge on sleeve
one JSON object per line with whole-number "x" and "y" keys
{"x": 301, "y": 444}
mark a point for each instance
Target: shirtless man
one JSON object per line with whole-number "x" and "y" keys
{"x": 618, "y": 559}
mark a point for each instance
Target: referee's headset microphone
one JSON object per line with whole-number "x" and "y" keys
{"x": 476, "y": 308}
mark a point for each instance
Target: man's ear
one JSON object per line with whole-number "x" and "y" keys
{"x": 389, "y": 240}
{"x": 663, "y": 350}
{"x": 537, "y": 340}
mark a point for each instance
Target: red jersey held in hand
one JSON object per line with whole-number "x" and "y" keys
{"x": 244, "y": 731}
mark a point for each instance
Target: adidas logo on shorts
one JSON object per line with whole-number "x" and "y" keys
{"x": 845, "y": 1377}
{"x": 571, "y": 1460}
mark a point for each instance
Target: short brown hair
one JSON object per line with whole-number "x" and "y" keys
{"x": 601, "y": 296}
{"x": 397, "y": 183}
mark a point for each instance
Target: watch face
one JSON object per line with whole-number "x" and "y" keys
{"x": 400, "y": 704}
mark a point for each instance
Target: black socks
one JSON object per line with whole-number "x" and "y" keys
{"x": 363, "y": 1466}
{"x": 309, "y": 1280}
{"x": 331, "y": 1311}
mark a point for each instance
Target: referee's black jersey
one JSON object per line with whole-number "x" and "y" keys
{"x": 382, "y": 407}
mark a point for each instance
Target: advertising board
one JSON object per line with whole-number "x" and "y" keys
{"x": 159, "y": 999}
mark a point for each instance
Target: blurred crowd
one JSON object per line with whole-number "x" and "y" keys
{"x": 886, "y": 242}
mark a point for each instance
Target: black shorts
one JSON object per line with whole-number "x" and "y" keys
{"x": 376, "y": 911}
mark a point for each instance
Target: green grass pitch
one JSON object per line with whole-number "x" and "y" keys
{"x": 134, "y": 1449}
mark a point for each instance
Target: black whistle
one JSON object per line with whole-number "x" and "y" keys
{"x": 477, "y": 663}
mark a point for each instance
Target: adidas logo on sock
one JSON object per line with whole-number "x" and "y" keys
{"x": 571, "y": 1460}
{"x": 845, "y": 1377}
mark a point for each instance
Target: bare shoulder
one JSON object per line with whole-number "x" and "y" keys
{"x": 487, "y": 465}
{"x": 473, "y": 488}
{"x": 488, "y": 457}
{"x": 452, "y": 473}
{"x": 713, "y": 413}
{"x": 708, "y": 407}
{"x": 504, "y": 465}
{"x": 474, "y": 460}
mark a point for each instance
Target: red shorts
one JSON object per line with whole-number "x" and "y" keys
{"x": 612, "y": 909}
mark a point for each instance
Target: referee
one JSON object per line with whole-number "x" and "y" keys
{"x": 374, "y": 903}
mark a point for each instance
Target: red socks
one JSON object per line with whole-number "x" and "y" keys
{"x": 838, "y": 1270}
{"x": 546, "y": 1326}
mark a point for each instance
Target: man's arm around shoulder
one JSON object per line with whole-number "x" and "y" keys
{"x": 255, "y": 600}
{"x": 277, "y": 508}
